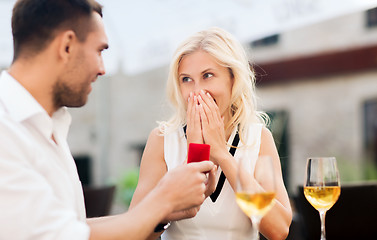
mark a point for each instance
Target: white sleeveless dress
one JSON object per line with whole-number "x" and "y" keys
{"x": 222, "y": 219}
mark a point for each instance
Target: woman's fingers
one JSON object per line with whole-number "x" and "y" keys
{"x": 194, "y": 130}
{"x": 203, "y": 116}
{"x": 210, "y": 106}
{"x": 196, "y": 114}
{"x": 191, "y": 109}
{"x": 208, "y": 99}
{"x": 208, "y": 112}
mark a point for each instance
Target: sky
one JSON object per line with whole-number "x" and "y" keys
{"x": 144, "y": 34}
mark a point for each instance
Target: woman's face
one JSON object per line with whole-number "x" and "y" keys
{"x": 199, "y": 71}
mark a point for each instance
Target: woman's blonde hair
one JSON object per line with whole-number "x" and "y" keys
{"x": 229, "y": 53}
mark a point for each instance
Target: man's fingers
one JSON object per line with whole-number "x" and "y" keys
{"x": 204, "y": 166}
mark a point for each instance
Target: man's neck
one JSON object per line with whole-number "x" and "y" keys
{"x": 35, "y": 77}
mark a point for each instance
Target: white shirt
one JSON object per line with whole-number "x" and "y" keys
{"x": 40, "y": 191}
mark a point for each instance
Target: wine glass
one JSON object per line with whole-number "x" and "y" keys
{"x": 322, "y": 186}
{"x": 256, "y": 189}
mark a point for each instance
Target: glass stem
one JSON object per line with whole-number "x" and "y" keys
{"x": 322, "y": 215}
{"x": 255, "y": 224}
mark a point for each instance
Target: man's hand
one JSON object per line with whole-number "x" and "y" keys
{"x": 191, "y": 212}
{"x": 186, "y": 186}
{"x": 183, "y": 214}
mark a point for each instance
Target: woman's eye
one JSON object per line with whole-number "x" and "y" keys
{"x": 208, "y": 75}
{"x": 186, "y": 79}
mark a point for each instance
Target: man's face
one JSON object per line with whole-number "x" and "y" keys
{"x": 74, "y": 85}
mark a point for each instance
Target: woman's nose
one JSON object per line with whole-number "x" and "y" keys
{"x": 198, "y": 87}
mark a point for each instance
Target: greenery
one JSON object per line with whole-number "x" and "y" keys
{"x": 127, "y": 184}
{"x": 370, "y": 171}
{"x": 363, "y": 170}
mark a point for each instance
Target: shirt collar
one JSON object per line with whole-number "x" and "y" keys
{"x": 22, "y": 106}
{"x": 19, "y": 103}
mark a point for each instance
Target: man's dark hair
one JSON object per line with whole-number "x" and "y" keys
{"x": 36, "y": 22}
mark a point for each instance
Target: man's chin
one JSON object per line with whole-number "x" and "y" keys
{"x": 77, "y": 104}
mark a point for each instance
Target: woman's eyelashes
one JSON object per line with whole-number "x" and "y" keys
{"x": 186, "y": 79}
{"x": 189, "y": 79}
{"x": 207, "y": 75}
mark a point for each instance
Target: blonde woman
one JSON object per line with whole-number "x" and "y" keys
{"x": 211, "y": 86}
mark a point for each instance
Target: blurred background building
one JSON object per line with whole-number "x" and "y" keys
{"x": 316, "y": 72}
{"x": 316, "y": 68}
{"x": 320, "y": 83}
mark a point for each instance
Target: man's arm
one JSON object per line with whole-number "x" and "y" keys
{"x": 180, "y": 189}
{"x": 31, "y": 208}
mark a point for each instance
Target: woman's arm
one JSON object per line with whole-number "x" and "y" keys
{"x": 275, "y": 225}
{"x": 152, "y": 166}
{"x": 152, "y": 169}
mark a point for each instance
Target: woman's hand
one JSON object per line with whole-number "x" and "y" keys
{"x": 212, "y": 125}
{"x": 194, "y": 129}
{"x": 211, "y": 182}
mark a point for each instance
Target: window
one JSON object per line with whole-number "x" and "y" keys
{"x": 139, "y": 149}
{"x": 267, "y": 41}
{"x": 370, "y": 129}
{"x": 84, "y": 168}
{"x": 279, "y": 129}
{"x": 371, "y": 18}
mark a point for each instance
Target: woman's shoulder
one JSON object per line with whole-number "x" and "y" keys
{"x": 266, "y": 133}
{"x": 156, "y": 136}
{"x": 162, "y": 134}
{"x": 157, "y": 131}
{"x": 267, "y": 140}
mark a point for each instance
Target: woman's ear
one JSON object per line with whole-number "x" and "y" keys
{"x": 67, "y": 44}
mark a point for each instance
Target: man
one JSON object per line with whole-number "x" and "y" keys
{"x": 57, "y": 55}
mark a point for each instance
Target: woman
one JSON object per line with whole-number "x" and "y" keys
{"x": 211, "y": 86}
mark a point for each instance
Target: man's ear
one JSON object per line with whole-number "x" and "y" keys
{"x": 67, "y": 44}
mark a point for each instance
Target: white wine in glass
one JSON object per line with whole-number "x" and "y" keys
{"x": 256, "y": 189}
{"x": 322, "y": 186}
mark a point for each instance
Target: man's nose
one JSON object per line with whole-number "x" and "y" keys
{"x": 101, "y": 69}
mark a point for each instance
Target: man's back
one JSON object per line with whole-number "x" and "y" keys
{"x": 39, "y": 183}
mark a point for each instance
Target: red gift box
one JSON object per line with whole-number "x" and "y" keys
{"x": 198, "y": 152}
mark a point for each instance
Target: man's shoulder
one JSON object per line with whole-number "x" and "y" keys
{"x": 15, "y": 142}
{"x": 11, "y": 130}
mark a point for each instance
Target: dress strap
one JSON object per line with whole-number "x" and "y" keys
{"x": 222, "y": 178}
